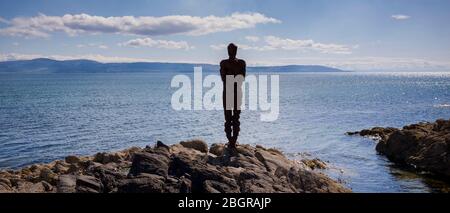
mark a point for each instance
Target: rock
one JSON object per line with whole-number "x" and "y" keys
{"x": 179, "y": 168}
{"x": 423, "y": 146}
{"x": 5, "y": 181}
{"x": 148, "y": 184}
{"x": 307, "y": 181}
{"x": 273, "y": 161}
{"x": 314, "y": 163}
{"x": 5, "y": 188}
{"x": 196, "y": 144}
{"x": 217, "y": 149}
{"x": 104, "y": 157}
{"x": 88, "y": 184}
{"x": 74, "y": 169}
{"x": 72, "y": 159}
{"x": 27, "y": 187}
{"x": 60, "y": 168}
{"x": 213, "y": 186}
{"x": 66, "y": 184}
{"x": 47, "y": 186}
{"x": 48, "y": 175}
{"x": 152, "y": 163}
{"x": 376, "y": 132}
{"x": 160, "y": 144}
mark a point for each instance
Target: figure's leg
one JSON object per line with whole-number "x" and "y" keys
{"x": 228, "y": 123}
{"x": 236, "y": 124}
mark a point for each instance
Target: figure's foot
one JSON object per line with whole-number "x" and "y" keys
{"x": 231, "y": 148}
{"x": 232, "y": 144}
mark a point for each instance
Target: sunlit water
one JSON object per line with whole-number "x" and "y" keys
{"x": 44, "y": 117}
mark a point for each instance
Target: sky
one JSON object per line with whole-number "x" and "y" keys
{"x": 371, "y": 35}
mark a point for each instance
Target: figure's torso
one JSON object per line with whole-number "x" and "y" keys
{"x": 233, "y": 67}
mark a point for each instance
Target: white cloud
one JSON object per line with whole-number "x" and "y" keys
{"x": 400, "y": 17}
{"x": 219, "y": 46}
{"x": 101, "y": 46}
{"x": 240, "y": 46}
{"x": 43, "y": 25}
{"x": 252, "y": 38}
{"x": 291, "y": 44}
{"x": 276, "y": 43}
{"x": 149, "y": 42}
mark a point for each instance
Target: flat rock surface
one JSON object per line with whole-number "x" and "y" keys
{"x": 186, "y": 167}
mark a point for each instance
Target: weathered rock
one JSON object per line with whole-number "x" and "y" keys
{"x": 60, "y": 168}
{"x": 5, "y": 181}
{"x": 151, "y": 161}
{"x": 307, "y": 181}
{"x": 104, "y": 157}
{"x": 145, "y": 184}
{"x": 5, "y": 187}
{"x": 314, "y": 163}
{"x": 72, "y": 159}
{"x": 48, "y": 175}
{"x": 66, "y": 184}
{"x": 88, "y": 184}
{"x": 185, "y": 167}
{"x": 217, "y": 149}
{"x": 424, "y": 146}
{"x": 195, "y": 144}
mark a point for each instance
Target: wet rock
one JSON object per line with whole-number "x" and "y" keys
{"x": 314, "y": 163}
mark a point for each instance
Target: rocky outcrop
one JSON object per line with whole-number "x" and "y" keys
{"x": 186, "y": 167}
{"x": 424, "y": 146}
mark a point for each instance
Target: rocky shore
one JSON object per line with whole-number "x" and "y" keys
{"x": 423, "y": 146}
{"x": 185, "y": 167}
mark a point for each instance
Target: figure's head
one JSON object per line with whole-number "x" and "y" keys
{"x": 232, "y": 50}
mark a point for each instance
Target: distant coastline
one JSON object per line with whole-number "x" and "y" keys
{"x": 46, "y": 65}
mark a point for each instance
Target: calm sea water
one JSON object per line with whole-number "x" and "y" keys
{"x": 44, "y": 117}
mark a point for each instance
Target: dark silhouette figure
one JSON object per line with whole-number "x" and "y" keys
{"x": 232, "y": 67}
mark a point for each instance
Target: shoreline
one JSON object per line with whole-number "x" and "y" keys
{"x": 423, "y": 147}
{"x": 184, "y": 167}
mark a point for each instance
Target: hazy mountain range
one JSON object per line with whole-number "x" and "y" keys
{"x": 44, "y": 65}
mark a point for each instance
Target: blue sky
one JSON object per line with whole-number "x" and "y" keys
{"x": 381, "y": 35}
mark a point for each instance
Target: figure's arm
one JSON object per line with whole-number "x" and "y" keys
{"x": 222, "y": 71}
{"x": 244, "y": 69}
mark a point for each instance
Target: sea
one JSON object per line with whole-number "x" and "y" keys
{"x": 44, "y": 117}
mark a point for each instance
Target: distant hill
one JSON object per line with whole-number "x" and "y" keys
{"x": 45, "y": 65}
